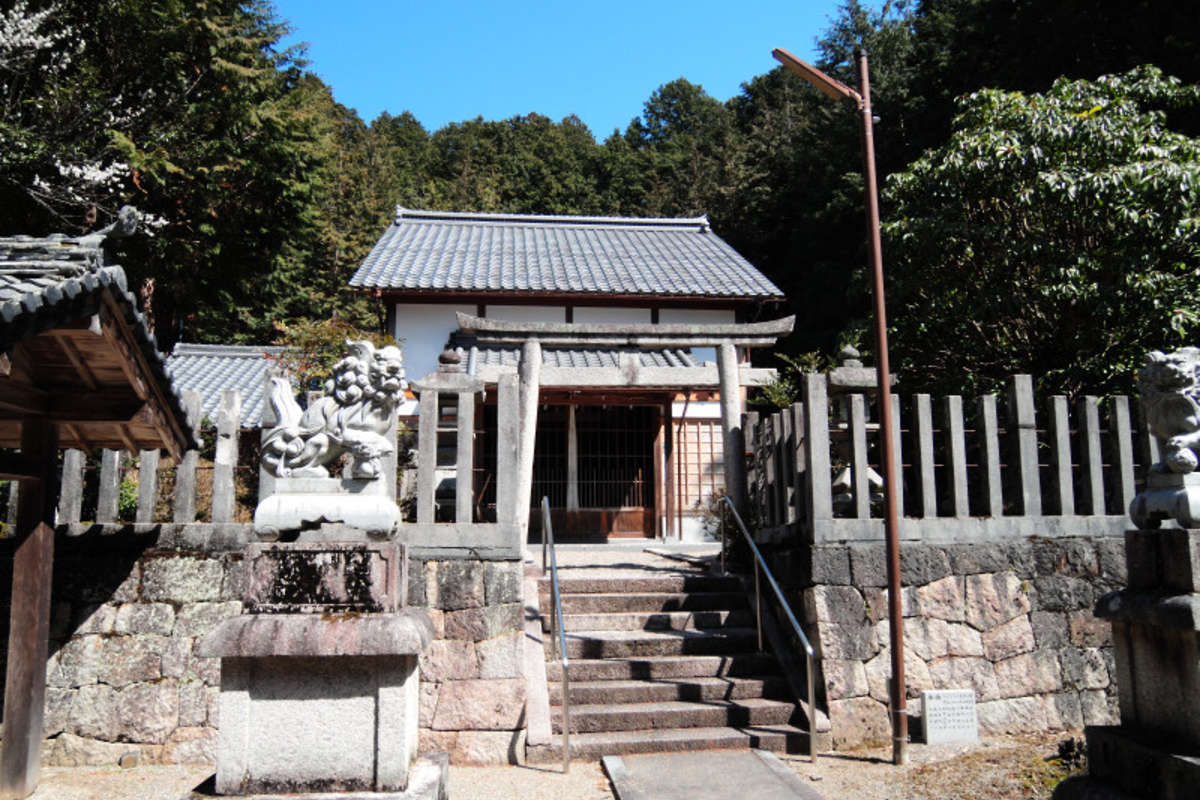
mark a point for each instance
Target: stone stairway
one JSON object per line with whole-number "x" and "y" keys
{"x": 663, "y": 662}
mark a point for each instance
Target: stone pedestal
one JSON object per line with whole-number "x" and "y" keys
{"x": 319, "y": 682}
{"x": 1168, "y": 496}
{"x": 307, "y": 503}
{"x": 1155, "y": 752}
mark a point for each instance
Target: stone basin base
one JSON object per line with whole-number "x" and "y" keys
{"x": 318, "y": 704}
{"x": 428, "y": 780}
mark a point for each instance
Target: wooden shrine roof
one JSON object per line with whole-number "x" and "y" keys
{"x": 75, "y": 349}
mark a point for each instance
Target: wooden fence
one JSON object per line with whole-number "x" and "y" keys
{"x": 967, "y": 472}
{"x": 105, "y": 474}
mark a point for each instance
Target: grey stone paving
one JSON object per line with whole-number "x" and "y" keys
{"x": 705, "y": 775}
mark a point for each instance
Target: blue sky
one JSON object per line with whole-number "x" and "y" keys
{"x": 459, "y": 59}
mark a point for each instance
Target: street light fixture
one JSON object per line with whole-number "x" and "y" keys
{"x": 862, "y": 99}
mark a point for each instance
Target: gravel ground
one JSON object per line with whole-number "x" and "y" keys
{"x": 114, "y": 783}
{"x": 585, "y": 781}
{"x": 996, "y": 768}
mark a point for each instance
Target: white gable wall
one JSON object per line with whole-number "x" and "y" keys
{"x": 424, "y": 329}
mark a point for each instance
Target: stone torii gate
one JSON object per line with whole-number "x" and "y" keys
{"x": 532, "y": 336}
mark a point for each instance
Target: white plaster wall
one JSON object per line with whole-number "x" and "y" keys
{"x": 424, "y": 329}
{"x": 705, "y": 409}
{"x": 698, "y": 316}
{"x": 526, "y": 313}
{"x": 622, "y": 316}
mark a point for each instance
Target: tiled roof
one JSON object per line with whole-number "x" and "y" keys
{"x": 599, "y": 357}
{"x": 449, "y": 251}
{"x": 49, "y": 281}
{"x": 210, "y": 369}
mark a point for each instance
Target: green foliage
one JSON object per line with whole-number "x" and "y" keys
{"x": 1055, "y": 234}
{"x": 262, "y": 194}
{"x": 784, "y": 390}
{"x": 313, "y": 347}
{"x": 127, "y": 499}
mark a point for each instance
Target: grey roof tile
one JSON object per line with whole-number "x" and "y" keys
{"x": 210, "y": 369}
{"x": 454, "y": 251}
{"x": 46, "y": 282}
{"x": 493, "y": 356}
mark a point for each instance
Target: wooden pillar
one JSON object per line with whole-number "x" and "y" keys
{"x": 669, "y": 471}
{"x": 572, "y": 461}
{"x": 29, "y": 617}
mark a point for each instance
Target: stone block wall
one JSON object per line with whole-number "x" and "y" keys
{"x": 121, "y": 676}
{"x": 129, "y": 602}
{"x": 472, "y": 702}
{"x": 1011, "y": 620}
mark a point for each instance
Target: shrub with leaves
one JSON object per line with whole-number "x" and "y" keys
{"x": 312, "y": 347}
{"x": 1055, "y": 234}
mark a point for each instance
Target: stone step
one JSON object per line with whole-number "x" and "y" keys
{"x": 670, "y": 583}
{"x": 667, "y": 689}
{"x": 628, "y": 644}
{"x": 779, "y": 738}
{"x": 606, "y": 717}
{"x": 618, "y": 603}
{"x": 655, "y": 620}
{"x": 666, "y": 667}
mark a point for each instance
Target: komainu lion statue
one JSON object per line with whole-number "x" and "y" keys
{"x": 1170, "y": 387}
{"x": 352, "y": 417}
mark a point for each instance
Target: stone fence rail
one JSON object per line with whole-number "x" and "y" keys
{"x": 968, "y": 472}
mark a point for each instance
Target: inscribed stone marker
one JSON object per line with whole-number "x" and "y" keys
{"x": 949, "y": 715}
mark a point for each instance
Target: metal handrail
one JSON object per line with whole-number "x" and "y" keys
{"x": 760, "y": 563}
{"x": 556, "y": 599}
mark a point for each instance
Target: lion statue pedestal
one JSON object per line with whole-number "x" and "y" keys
{"x": 301, "y": 504}
{"x": 353, "y": 419}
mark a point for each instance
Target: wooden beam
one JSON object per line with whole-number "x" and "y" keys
{"x": 18, "y": 467}
{"x": 67, "y": 345}
{"x": 126, "y": 435}
{"x": 29, "y": 616}
{"x": 19, "y": 400}
{"x": 81, "y": 441}
{"x": 171, "y": 430}
{"x": 118, "y": 336}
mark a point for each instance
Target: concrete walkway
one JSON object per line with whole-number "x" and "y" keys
{"x": 708, "y": 775}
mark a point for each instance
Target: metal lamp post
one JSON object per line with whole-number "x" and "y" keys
{"x": 862, "y": 99}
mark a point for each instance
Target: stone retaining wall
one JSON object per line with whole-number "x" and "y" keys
{"x": 1012, "y": 620}
{"x": 126, "y": 609}
{"x": 472, "y": 702}
{"x": 129, "y": 602}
